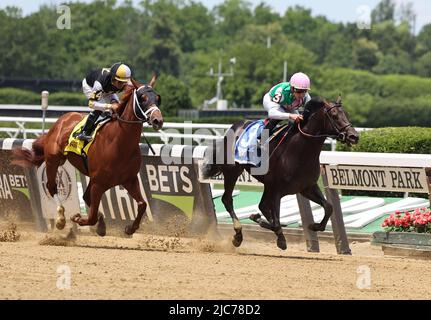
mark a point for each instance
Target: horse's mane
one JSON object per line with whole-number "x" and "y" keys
{"x": 126, "y": 95}
{"x": 316, "y": 103}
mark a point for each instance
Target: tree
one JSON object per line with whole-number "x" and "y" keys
{"x": 384, "y": 11}
{"x": 393, "y": 64}
{"x": 408, "y": 15}
{"x": 340, "y": 53}
{"x": 197, "y": 26}
{"x": 263, "y": 14}
{"x": 174, "y": 93}
{"x": 259, "y": 34}
{"x": 160, "y": 51}
{"x": 232, "y": 16}
{"x": 424, "y": 40}
{"x": 391, "y": 38}
{"x": 365, "y": 54}
{"x": 423, "y": 65}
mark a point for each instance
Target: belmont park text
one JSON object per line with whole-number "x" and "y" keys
{"x": 376, "y": 178}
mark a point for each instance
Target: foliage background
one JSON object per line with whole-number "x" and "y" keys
{"x": 383, "y": 73}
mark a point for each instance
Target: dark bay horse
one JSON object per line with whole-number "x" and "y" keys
{"x": 113, "y": 159}
{"x": 293, "y": 167}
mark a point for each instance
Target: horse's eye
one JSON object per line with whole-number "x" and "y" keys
{"x": 144, "y": 99}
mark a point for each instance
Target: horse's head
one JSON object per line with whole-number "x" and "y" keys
{"x": 339, "y": 122}
{"x": 334, "y": 120}
{"x": 146, "y": 105}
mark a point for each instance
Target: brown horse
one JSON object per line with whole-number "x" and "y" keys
{"x": 294, "y": 165}
{"x": 113, "y": 159}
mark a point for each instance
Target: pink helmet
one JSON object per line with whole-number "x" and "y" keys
{"x": 300, "y": 81}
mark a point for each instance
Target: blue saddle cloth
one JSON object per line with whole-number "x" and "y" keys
{"x": 247, "y": 147}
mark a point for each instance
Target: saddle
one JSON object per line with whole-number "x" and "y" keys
{"x": 248, "y": 147}
{"x": 81, "y": 147}
{"x": 276, "y": 129}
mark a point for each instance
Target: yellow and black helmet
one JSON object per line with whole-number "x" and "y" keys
{"x": 121, "y": 72}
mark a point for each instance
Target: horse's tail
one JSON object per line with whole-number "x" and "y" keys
{"x": 210, "y": 168}
{"x": 28, "y": 158}
{"x": 220, "y": 155}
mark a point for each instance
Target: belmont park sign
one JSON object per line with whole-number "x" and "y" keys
{"x": 377, "y": 178}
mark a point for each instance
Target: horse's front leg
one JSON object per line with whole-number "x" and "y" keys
{"x": 264, "y": 207}
{"x": 134, "y": 190}
{"x": 94, "y": 197}
{"x": 314, "y": 194}
{"x": 101, "y": 226}
{"x": 270, "y": 207}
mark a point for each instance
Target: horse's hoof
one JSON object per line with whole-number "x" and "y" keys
{"x": 316, "y": 227}
{"x": 129, "y": 230}
{"x": 255, "y": 217}
{"x": 75, "y": 218}
{"x": 60, "y": 223}
{"x": 101, "y": 227}
{"x": 281, "y": 243}
{"x": 237, "y": 239}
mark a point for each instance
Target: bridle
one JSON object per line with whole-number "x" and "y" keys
{"x": 341, "y": 132}
{"x": 143, "y": 116}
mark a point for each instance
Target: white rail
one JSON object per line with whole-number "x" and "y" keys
{"x": 210, "y": 131}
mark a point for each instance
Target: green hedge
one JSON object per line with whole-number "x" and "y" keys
{"x": 21, "y": 96}
{"x": 67, "y": 99}
{"x": 393, "y": 140}
{"x": 18, "y": 96}
{"x": 390, "y": 140}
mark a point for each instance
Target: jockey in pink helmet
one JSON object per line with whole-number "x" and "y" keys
{"x": 284, "y": 99}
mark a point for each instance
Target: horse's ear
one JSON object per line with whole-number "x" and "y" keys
{"x": 135, "y": 83}
{"x": 153, "y": 80}
{"x": 338, "y": 99}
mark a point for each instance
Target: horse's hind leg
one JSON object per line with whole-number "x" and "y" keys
{"x": 314, "y": 194}
{"x": 101, "y": 226}
{"x": 134, "y": 190}
{"x": 52, "y": 164}
{"x": 231, "y": 175}
{"x": 281, "y": 240}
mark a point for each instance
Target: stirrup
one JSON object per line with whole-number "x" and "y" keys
{"x": 83, "y": 136}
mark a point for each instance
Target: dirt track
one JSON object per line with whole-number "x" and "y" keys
{"x": 150, "y": 267}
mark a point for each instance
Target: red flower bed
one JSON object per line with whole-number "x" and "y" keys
{"x": 417, "y": 221}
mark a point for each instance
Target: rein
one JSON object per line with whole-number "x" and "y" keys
{"x": 340, "y": 132}
{"x": 135, "y": 103}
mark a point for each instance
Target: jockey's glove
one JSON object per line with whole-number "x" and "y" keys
{"x": 108, "y": 107}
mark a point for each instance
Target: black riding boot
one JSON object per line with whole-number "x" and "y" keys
{"x": 272, "y": 123}
{"x": 86, "y": 133}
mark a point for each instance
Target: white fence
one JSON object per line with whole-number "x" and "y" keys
{"x": 208, "y": 131}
